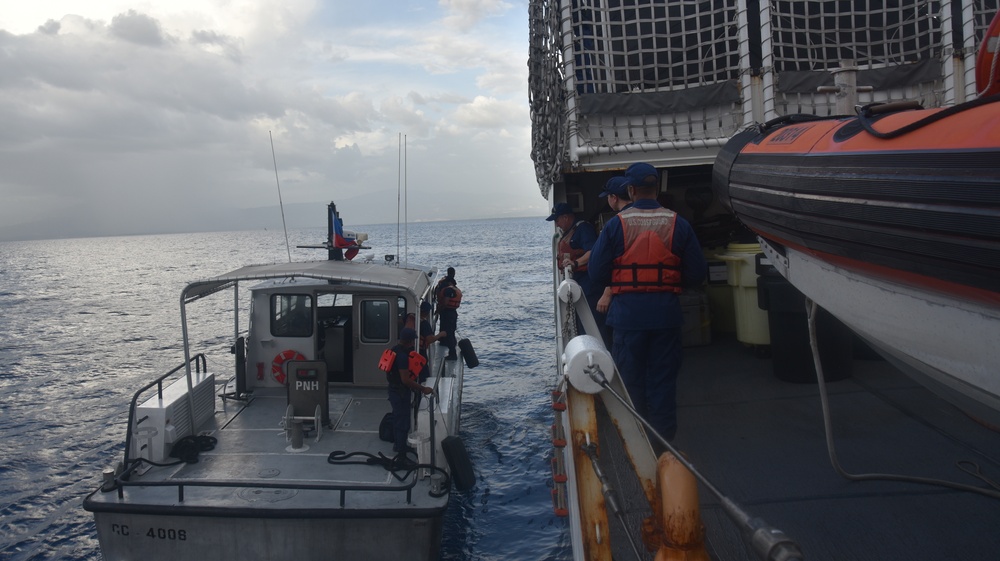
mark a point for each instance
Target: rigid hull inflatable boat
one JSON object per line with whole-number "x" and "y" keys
{"x": 890, "y": 221}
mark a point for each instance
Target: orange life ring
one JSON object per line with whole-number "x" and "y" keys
{"x": 988, "y": 60}
{"x": 278, "y": 364}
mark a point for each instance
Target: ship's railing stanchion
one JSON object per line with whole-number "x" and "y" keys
{"x": 768, "y": 542}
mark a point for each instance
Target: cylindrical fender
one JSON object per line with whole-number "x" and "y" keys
{"x": 462, "y": 474}
{"x": 680, "y": 516}
{"x": 468, "y": 353}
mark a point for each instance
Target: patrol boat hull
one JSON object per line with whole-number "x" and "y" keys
{"x": 168, "y": 538}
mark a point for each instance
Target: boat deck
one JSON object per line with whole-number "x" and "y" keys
{"x": 760, "y": 441}
{"x": 253, "y": 466}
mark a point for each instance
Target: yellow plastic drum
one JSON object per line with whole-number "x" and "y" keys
{"x": 751, "y": 321}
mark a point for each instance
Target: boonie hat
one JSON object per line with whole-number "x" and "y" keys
{"x": 642, "y": 175}
{"x": 617, "y": 186}
{"x": 407, "y": 334}
{"x": 559, "y": 210}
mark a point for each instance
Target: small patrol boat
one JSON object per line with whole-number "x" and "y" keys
{"x": 281, "y": 457}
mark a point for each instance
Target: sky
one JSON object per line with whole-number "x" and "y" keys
{"x": 130, "y": 117}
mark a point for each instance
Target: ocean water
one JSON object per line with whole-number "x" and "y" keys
{"x": 86, "y": 322}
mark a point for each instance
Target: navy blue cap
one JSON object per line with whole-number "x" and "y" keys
{"x": 617, "y": 186}
{"x": 425, "y": 306}
{"x": 642, "y": 175}
{"x": 559, "y": 210}
{"x": 407, "y": 334}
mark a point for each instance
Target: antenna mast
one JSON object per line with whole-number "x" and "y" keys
{"x": 288, "y": 248}
{"x": 399, "y": 170}
{"x": 406, "y": 207}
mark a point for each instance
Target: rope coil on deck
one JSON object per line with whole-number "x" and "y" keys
{"x": 394, "y": 465}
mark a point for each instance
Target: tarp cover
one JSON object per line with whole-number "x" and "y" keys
{"x": 659, "y": 103}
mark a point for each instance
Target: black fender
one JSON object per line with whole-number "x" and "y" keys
{"x": 468, "y": 353}
{"x": 462, "y": 473}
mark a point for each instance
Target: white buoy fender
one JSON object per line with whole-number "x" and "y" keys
{"x": 468, "y": 353}
{"x": 462, "y": 473}
{"x": 581, "y": 352}
{"x": 569, "y": 291}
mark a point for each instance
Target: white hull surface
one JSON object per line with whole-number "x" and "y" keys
{"x": 169, "y": 538}
{"x": 947, "y": 343}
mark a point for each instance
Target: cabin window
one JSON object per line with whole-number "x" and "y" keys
{"x": 291, "y": 315}
{"x": 375, "y": 321}
{"x": 401, "y": 313}
{"x": 334, "y": 300}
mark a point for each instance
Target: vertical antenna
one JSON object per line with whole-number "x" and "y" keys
{"x": 288, "y": 248}
{"x": 406, "y": 207}
{"x": 399, "y": 171}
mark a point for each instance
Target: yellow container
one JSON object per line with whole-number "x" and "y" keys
{"x": 720, "y": 294}
{"x": 751, "y": 321}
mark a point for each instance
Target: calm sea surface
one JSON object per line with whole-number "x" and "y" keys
{"x": 86, "y": 322}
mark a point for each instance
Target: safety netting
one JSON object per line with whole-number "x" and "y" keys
{"x": 641, "y": 46}
{"x": 611, "y": 77}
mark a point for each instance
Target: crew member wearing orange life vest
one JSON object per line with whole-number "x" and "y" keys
{"x": 647, "y": 254}
{"x": 577, "y": 239}
{"x": 449, "y": 297}
{"x": 402, "y": 379}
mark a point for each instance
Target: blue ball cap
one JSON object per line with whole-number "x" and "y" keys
{"x": 425, "y": 306}
{"x": 642, "y": 175}
{"x": 559, "y": 210}
{"x": 617, "y": 186}
{"x": 407, "y": 334}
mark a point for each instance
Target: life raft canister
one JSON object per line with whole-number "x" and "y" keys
{"x": 278, "y": 364}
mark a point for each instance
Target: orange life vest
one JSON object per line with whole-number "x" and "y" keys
{"x": 387, "y": 364}
{"x": 386, "y": 361}
{"x": 648, "y": 263}
{"x": 416, "y": 363}
{"x": 574, "y": 254}
{"x": 450, "y": 298}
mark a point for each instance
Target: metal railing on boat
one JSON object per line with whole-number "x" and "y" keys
{"x": 121, "y": 483}
{"x": 130, "y": 465}
{"x": 200, "y": 365}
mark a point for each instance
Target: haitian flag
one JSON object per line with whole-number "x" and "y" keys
{"x": 339, "y": 241}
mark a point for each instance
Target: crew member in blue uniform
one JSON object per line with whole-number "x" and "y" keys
{"x": 647, "y": 254}
{"x": 616, "y": 192}
{"x": 578, "y": 237}
{"x": 402, "y": 381}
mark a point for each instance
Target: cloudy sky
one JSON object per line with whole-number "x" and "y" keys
{"x": 122, "y": 117}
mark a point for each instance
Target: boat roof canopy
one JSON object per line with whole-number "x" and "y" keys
{"x": 412, "y": 278}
